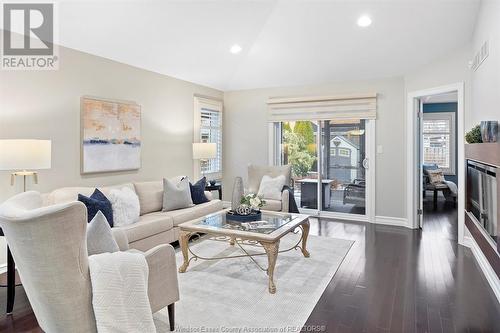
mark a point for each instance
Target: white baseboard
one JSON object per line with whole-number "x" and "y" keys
{"x": 467, "y": 241}
{"x": 485, "y": 266}
{"x": 394, "y": 221}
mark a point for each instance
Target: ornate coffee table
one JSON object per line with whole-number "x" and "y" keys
{"x": 265, "y": 234}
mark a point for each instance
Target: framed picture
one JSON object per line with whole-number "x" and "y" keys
{"x": 110, "y": 135}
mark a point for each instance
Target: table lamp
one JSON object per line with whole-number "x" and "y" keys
{"x": 204, "y": 151}
{"x": 25, "y": 156}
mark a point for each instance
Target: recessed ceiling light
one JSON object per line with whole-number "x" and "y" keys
{"x": 235, "y": 49}
{"x": 364, "y": 21}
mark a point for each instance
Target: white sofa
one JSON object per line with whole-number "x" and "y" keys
{"x": 154, "y": 227}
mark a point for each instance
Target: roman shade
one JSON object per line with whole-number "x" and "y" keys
{"x": 361, "y": 106}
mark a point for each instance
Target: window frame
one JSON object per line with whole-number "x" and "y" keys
{"x": 448, "y": 116}
{"x": 344, "y": 152}
{"x": 211, "y": 104}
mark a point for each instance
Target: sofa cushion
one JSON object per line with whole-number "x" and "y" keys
{"x": 150, "y": 196}
{"x": 270, "y": 187}
{"x": 148, "y": 225}
{"x": 198, "y": 191}
{"x": 97, "y": 202}
{"x": 176, "y": 195}
{"x": 274, "y": 205}
{"x": 68, "y": 194}
{"x": 99, "y": 236}
{"x": 256, "y": 172}
{"x": 187, "y": 214}
{"x": 126, "y": 206}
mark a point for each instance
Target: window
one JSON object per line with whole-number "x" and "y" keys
{"x": 439, "y": 140}
{"x": 208, "y": 128}
{"x": 344, "y": 152}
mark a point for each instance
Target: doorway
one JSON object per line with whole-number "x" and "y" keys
{"x": 436, "y": 174}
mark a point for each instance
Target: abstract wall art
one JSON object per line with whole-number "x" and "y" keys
{"x": 111, "y": 135}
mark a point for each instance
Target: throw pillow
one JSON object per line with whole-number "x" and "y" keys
{"x": 198, "y": 191}
{"x": 97, "y": 202}
{"x": 435, "y": 176}
{"x": 270, "y": 188}
{"x": 176, "y": 195}
{"x": 126, "y": 207}
{"x": 99, "y": 236}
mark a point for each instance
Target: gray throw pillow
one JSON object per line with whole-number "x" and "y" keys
{"x": 176, "y": 195}
{"x": 99, "y": 236}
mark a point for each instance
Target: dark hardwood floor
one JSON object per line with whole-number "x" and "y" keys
{"x": 392, "y": 280}
{"x": 401, "y": 280}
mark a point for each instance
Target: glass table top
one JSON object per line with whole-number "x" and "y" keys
{"x": 266, "y": 225}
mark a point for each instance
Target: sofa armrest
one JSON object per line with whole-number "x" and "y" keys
{"x": 120, "y": 238}
{"x": 285, "y": 203}
{"x": 163, "y": 288}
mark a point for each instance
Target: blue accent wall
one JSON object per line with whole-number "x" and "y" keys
{"x": 446, "y": 107}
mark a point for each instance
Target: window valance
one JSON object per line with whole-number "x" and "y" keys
{"x": 361, "y": 106}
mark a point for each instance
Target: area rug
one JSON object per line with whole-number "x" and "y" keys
{"x": 232, "y": 295}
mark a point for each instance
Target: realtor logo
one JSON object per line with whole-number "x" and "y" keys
{"x": 28, "y": 37}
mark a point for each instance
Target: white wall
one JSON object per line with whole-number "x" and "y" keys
{"x": 46, "y": 105}
{"x": 486, "y": 79}
{"x": 448, "y": 70}
{"x": 246, "y": 134}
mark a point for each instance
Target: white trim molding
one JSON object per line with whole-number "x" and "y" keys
{"x": 485, "y": 266}
{"x": 412, "y": 195}
{"x": 393, "y": 221}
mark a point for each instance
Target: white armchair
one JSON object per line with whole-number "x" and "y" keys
{"x": 255, "y": 174}
{"x": 50, "y": 249}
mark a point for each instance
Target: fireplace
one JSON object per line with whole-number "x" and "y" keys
{"x": 482, "y": 181}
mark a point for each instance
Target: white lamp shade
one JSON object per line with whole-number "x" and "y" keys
{"x": 204, "y": 150}
{"x": 25, "y": 154}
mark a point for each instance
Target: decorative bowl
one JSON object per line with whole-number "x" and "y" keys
{"x": 233, "y": 216}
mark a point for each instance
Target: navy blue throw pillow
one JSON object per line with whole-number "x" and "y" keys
{"x": 97, "y": 202}
{"x": 198, "y": 191}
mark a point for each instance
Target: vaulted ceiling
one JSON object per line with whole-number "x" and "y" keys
{"x": 284, "y": 42}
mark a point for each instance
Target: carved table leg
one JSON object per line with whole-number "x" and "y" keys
{"x": 305, "y": 234}
{"x": 183, "y": 241}
{"x": 272, "y": 254}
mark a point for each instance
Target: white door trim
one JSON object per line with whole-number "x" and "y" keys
{"x": 412, "y": 168}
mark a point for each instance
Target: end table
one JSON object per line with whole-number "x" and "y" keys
{"x": 11, "y": 279}
{"x": 216, "y": 187}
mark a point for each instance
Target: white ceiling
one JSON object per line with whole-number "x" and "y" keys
{"x": 285, "y": 42}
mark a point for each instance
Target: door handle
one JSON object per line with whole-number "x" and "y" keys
{"x": 366, "y": 163}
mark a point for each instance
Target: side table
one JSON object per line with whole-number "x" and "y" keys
{"x": 216, "y": 187}
{"x": 11, "y": 279}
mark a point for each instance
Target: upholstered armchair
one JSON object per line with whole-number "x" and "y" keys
{"x": 49, "y": 246}
{"x": 255, "y": 174}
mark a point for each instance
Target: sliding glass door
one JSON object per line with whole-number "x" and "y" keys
{"x": 298, "y": 148}
{"x": 329, "y": 160}
{"x": 343, "y": 173}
